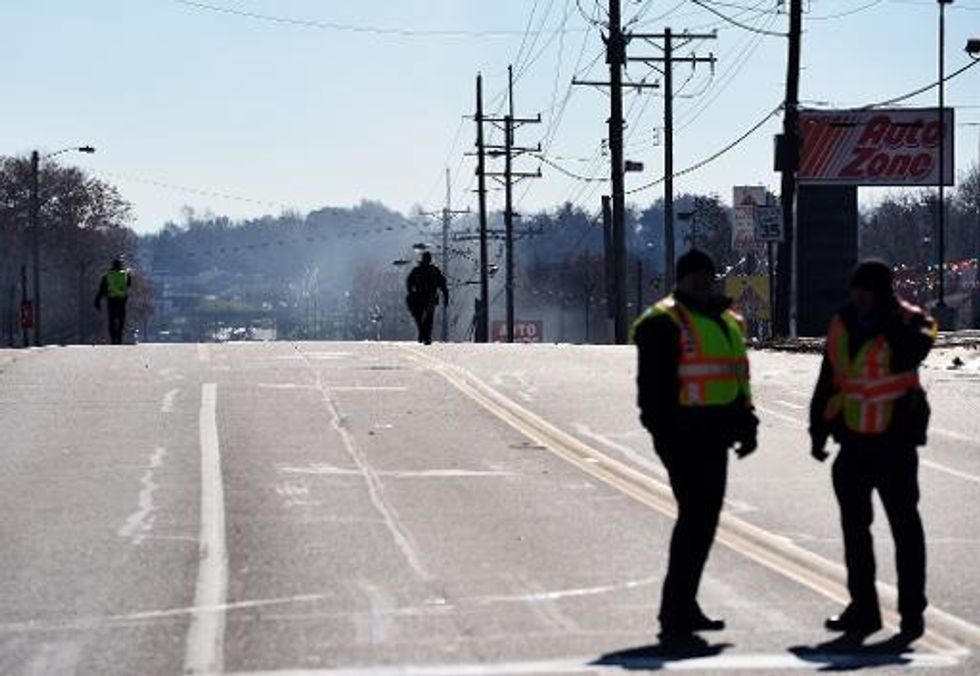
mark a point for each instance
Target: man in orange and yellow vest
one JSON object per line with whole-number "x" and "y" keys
{"x": 695, "y": 400}
{"x": 868, "y": 398}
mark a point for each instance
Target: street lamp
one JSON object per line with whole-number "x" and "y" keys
{"x": 35, "y": 222}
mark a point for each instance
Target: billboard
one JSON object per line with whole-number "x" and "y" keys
{"x": 524, "y": 331}
{"x": 894, "y": 147}
{"x": 746, "y": 200}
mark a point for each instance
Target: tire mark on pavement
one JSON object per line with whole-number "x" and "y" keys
{"x": 167, "y": 405}
{"x": 376, "y": 490}
{"x": 140, "y": 522}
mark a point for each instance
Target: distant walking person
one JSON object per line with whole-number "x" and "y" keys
{"x": 869, "y": 399}
{"x": 695, "y": 399}
{"x": 424, "y": 283}
{"x": 114, "y": 287}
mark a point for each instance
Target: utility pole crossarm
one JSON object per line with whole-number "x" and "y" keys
{"x": 631, "y": 85}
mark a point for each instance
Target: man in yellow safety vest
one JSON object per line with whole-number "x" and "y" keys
{"x": 114, "y": 287}
{"x": 869, "y": 399}
{"x": 695, "y": 400}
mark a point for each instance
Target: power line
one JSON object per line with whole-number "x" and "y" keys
{"x": 923, "y": 90}
{"x": 850, "y": 12}
{"x": 712, "y": 158}
{"x": 570, "y": 173}
{"x": 352, "y": 28}
{"x": 737, "y": 23}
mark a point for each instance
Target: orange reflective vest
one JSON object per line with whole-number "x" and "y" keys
{"x": 866, "y": 387}
{"x": 714, "y": 367}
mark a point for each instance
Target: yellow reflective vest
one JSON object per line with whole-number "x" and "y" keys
{"x": 866, "y": 387}
{"x": 117, "y": 283}
{"x": 714, "y": 367}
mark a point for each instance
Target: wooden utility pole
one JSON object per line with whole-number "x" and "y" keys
{"x": 788, "y": 157}
{"x": 508, "y": 151}
{"x": 482, "y": 332}
{"x": 35, "y": 217}
{"x": 616, "y": 58}
{"x": 448, "y": 214}
{"x": 665, "y": 64}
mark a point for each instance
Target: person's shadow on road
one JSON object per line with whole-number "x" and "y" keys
{"x": 660, "y": 655}
{"x": 847, "y": 654}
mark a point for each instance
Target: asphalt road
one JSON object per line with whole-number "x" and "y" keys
{"x": 317, "y": 509}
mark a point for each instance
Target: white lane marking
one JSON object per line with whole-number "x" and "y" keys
{"x": 167, "y": 406}
{"x": 638, "y": 458}
{"x": 374, "y": 485}
{"x": 338, "y": 388}
{"x": 949, "y": 470}
{"x": 324, "y": 469}
{"x": 779, "y": 416}
{"x": 955, "y": 436}
{"x": 734, "y": 506}
{"x": 925, "y": 462}
{"x": 558, "y": 594}
{"x": 790, "y": 404}
{"x": 314, "y": 356}
{"x": 205, "y": 635}
{"x": 746, "y": 662}
{"x": 96, "y": 622}
{"x": 140, "y": 522}
{"x": 368, "y": 388}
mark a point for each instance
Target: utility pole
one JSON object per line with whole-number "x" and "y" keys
{"x": 788, "y": 156}
{"x": 616, "y": 42}
{"x": 616, "y": 58}
{"x": 35, "y": 218}
{"x": 665, "y": 64}
{"x": 482, "y": 332}
{"x": 508, "y": 151}
{"x": 23, "y": 303}
{"x": 448, "y": 214}
{"x": 941, "y": 305}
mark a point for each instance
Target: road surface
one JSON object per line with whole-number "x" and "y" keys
{"x": 315, "y": 509}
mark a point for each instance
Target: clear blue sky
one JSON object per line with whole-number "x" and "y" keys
{"x": 304, "y": 116}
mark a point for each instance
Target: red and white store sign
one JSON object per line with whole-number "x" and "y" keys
{"x": 898, "y": 147}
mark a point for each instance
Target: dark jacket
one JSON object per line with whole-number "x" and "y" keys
{"x": 424, "y": 284}
{"x": 910, "y": 335}
{"x": 658, "y": 386}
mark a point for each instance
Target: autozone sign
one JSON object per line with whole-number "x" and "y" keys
{"x": 524, "y": 331}
{"x": 898, "y": 147}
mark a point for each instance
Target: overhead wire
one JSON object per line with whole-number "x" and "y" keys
{"x": 345, "y": 27}
{"x": 735, "y": 22}
{"x": 708, "y": 160}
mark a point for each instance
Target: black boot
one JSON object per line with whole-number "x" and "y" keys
{"x": 855, "y": 621}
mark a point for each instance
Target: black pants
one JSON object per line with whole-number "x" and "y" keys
{"x": 698, "y": 475}
{"x": 893, "y": 472}
{"x": 117, "y": 320}
{"x": 424, "y": 316}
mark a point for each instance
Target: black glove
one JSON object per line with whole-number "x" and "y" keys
{"x": 748, "y": 438}
{"x": 817, "y": 444}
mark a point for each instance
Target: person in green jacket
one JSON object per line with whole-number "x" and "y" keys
{"x": 114, "y": 287}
